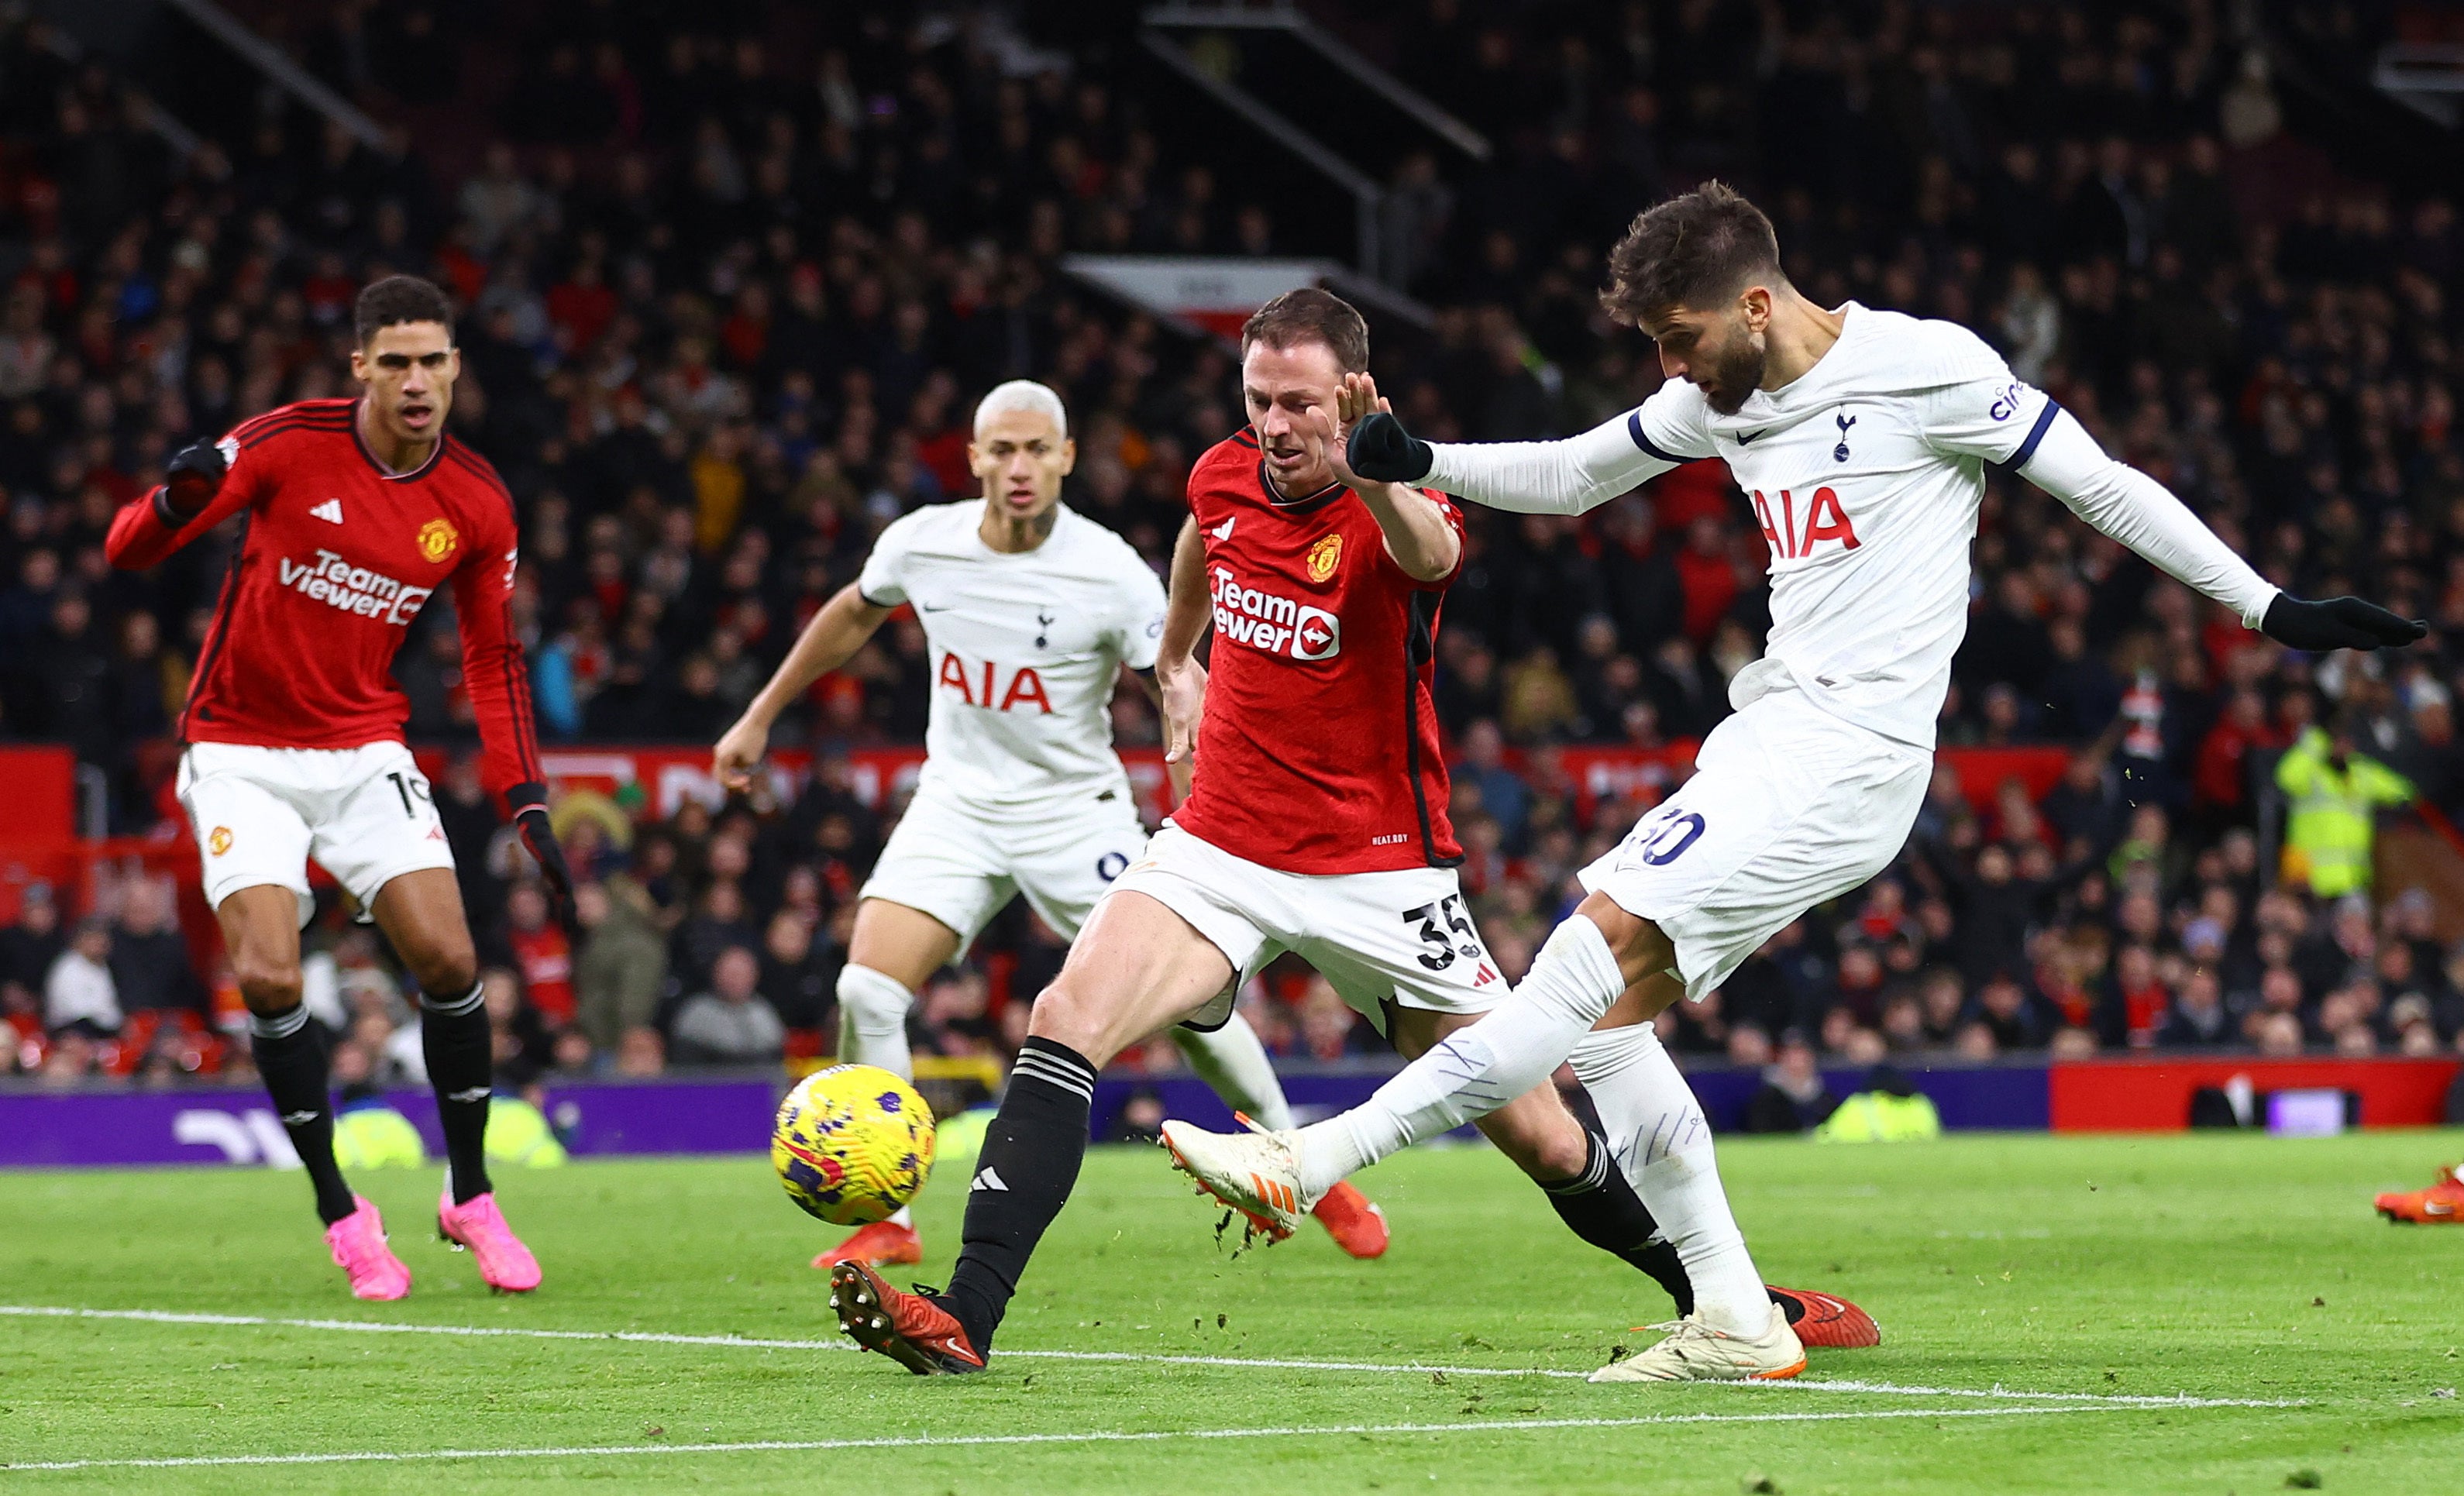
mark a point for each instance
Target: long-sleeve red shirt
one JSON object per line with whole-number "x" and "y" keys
{"x": 337, "y": 558}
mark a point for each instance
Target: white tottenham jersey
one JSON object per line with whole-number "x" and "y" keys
{"x": 1864, "y": 474}
{"x": 1024, "y": 648}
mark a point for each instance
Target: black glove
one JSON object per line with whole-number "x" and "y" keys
{"x": 190, "y": 481}
{"x": 530, "y": 820}
{"x": 2337, "y": 624}
{"x": 1379, "y": 449}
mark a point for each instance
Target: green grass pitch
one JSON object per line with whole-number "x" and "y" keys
{"x": 2080, "y": 1279}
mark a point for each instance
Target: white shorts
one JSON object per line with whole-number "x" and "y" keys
{"x": 961, "y": 862}
{"x": 1402, "y": 936}
{"x": 1788, "y": 807}
{"x": 365, "y": 815}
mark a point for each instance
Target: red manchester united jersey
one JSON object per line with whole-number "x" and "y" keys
{"x": 336, "y": 557}
{"x": 1319, "y": 750}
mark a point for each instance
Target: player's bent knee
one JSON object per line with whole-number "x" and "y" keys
{"x": 1540, "y": 1135}
{"x": 267, "y": 985}
{"x": 873, "y": 1002}
{"x": 446, "y": 971}
{"x": 1064, "y": 1015}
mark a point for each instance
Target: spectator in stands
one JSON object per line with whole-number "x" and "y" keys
{"x": 78, "y": 995}
{"x": 641, "y": 1055}
{"x": 2336, "y": 792}
{"x": 29, "y": 947}
{"x": 622, "y": 971}
{"x": 730, "y": 1023}
{"x": 1792, "y": 1096}
{"x": 150, "y": 965}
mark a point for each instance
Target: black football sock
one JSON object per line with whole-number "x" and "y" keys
{"x": 1600, "y": 1206}
{"x": 292, "y": 1055}
{"x": 454, "y": 1036}
{"x": 1024, "y": 1176}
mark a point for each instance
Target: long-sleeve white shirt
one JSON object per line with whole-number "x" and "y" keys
{"x": 1864, "y": 474}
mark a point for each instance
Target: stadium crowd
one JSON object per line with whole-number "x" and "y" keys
{"x": 728, "y": 298}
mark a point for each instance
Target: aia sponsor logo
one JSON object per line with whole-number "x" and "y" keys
{"x": 981, "y": 685}
{"x": 1792, "y": 528}
{"x": 1273, "y": 623}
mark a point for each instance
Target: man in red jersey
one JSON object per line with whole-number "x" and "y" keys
{"x": 1316, "y": 825}
{"x": 356, "y": 512}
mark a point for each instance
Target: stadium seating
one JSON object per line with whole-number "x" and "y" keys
{"x": 727, "y": 301}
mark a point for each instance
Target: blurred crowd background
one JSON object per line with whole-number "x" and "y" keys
{"x": 731, "y": 274}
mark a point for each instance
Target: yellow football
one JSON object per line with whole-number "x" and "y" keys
{"x": 852, "y": 1144}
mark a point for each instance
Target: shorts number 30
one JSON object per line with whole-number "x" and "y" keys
{"x": 1669, "y": 841}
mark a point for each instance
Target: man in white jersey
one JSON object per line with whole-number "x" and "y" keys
{"x": 1029, "y": 612}
{"x": 1860, "y": 438}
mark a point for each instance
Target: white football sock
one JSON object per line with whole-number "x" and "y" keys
{"x": 1659, "y": 1138}
{"x": 872, "y": 1020}
{"x": 1473, "y": 1071}
{"x": 1234, "y": 1063}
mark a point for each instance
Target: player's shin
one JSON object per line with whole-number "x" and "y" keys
{"x": 1473, "y": 1071}
{"x": 872, "y": 1020}
{"x": 1600, "y": 1206}
{"x": 1233, "y": 1065}
{"x": 460, "y": 1050}
{"x": 1024, "y": 1176}
{"x": 1658, "y": 1135}
{"x": 293, "y": 1057}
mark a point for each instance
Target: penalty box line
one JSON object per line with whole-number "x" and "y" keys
{"x": 1099, "y": 1437}
{"x": 1266, "y": 1363}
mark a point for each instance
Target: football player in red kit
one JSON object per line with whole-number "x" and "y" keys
{"x": 355, "y": 513}
{"x": 1316, "y": 825}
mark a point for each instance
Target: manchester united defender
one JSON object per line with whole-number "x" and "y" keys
{"x": 1032, "y": 610}
{"x": 356, "y": 512}
{"x": 1316, "y": 825}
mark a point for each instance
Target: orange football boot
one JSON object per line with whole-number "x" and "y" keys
{"x": 1354, "y": 1222}
{"x": 908, "y": 1327}
{"x": 882, "y": 1244}
{"x": 1820, "y": 1319}
{"x": 2442, "y": 1205}
{"x": 1828, "y": 1320}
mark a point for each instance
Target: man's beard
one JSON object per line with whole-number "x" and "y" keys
{"x": 1738, "y": 374}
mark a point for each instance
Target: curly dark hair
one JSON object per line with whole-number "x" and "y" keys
{"x": 397, "y": 300}
{"x": 1693, "y": 250}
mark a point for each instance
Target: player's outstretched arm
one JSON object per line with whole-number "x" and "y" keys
{"x": 196, "y": 496}
{"x": 829, "y": 641}
{"x": 2130, "y": 507}
{"x": 1180, "y": 681}
{"x": 1569, "y": 477}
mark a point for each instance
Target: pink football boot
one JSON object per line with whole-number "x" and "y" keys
{"x": 505, "y": 1264}
{"x": 358, "y": 1242}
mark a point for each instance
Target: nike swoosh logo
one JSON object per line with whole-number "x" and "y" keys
{"x": 1748, "y": 438}
{"x": 2433, "y": 1208}
{"x": 927, "y": 607}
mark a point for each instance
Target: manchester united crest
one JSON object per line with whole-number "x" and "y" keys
{"x": 438, "y": 540}
{"x": 1324, "y": 557}
{"x": 220, "y": 842}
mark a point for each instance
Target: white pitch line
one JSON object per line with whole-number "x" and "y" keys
{"x": 1388, "y": 1368}
{"x": 1104, "y": 1436}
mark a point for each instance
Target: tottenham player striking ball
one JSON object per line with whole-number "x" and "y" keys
{"x": 852, "y": 1143}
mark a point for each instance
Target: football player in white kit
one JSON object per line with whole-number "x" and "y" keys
{"x": 1861, "y": 439}
{"x": 1029, "y": 612}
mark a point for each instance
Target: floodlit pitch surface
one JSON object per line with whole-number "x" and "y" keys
{"x": 2161, "y": 1314}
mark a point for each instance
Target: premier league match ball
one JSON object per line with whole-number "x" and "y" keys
{"x": 852, "y": 1143}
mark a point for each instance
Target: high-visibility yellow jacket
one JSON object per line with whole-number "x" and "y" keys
{"x": 2328, "y": 835}
{"x": 1873, "y": 1116}
{"x": 376, "y": 1138}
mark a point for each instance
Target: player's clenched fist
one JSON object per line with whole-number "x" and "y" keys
{"x": 739, "y": 752}
{"x": 193, "y": 477}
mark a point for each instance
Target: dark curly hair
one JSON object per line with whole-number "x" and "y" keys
{"x": 1695, "y": 251}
